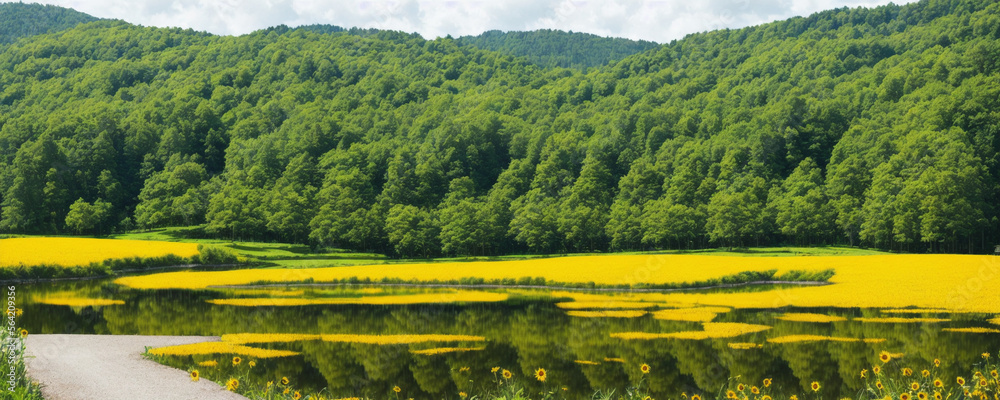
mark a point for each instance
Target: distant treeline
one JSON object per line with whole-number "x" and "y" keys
{"x": 878, "y": 127}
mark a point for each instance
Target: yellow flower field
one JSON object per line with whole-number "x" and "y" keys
{"x": 445, "y": 350}
{"x": 958, "y": 283}
{"x": 70, "y": 252}
{"x": 809, "y": 317}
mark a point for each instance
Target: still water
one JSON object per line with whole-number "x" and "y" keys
{"x": 522, "y": 334}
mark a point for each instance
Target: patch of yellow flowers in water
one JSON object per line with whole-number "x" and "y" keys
{"x": 71, "y": 252}
{"x": 694, "y": 314}
{"x": 607, "y": 314}
{"x": 79, "y": 302}
{"x": 426, "y": 298}
{"x": 713, "y": 330}
{"x": 899, "y": 320}
{"x": 249, "y": 338}
{"x": 818, "y": 338}
{"x": 445, "y": 350}
{"x": 744, "y": 346}
{"x": 219, "y": 348}
{"x": 972, "y": 330}
{"x": 576, "y": 305}
{"x": 809, "y": 317}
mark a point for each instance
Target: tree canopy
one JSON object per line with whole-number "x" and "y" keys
{"x": 877, "y": 127}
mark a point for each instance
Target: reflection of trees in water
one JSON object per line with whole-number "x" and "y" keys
{"x": 522, "y": 337}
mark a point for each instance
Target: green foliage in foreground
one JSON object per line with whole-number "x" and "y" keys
{"x": 24, "y": 388}
{"x": 874, "y": 126}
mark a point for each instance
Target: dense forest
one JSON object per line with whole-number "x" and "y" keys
{"x": 551, "y": 48}
{"x": 875, "y": 127}
{"x": 19, "y": 20}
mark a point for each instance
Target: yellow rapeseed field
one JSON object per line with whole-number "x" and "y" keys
{"x": 575, "y": 305}
{"x": 70, "y": 252}
{"x": 957, "y": 283}
{"x": 809, "y": 317}
{"x": 586, "y": 362}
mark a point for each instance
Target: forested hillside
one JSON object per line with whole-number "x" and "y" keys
{"x": 552, "y": 48}
{"x": 18, "y": 20}
{"x": 876, "y": 127}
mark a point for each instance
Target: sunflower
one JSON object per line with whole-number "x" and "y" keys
{"x": 696, "y": 397}
{"x": 740, "y": 387}
{"x": 297, "y": 395}
{"x": 23, "y": 333}
{"x": 904, "y": 396}
{"x": 396, "y": 389}
{"x": 907, "y": 372}
{"x": 754, "y": 390}
{"x": 252, "y": 364}
{"x": 878, "y": 385}
{"x": 960, "y": 380}
{"x": 937, "y": 363}
{"x": 644, "y": 398}
{"x": 983, "y": 382}
{"x": 232, "y": 384}
{"x": 994, "y": 374}
{"x": 887, "y": 397}
{"x": 914, "y": 386}
{"x": 644, "y": 368}
{"x": 463, "y": 394}
{"x": 793, "y": 397}
{"x": 237, "y": 360}
{"x": 494, "y": 369}
{"x": 925, "y": 373}
{"x": 815, "y": 386}
{"x": 884, "y": 356}
{"x": 864, "y": 373}
{"x": 730, "y": 394}
{"x": 986, "y": 355}
{"x": 684, "y": 395}
{"x": 922, "y": 396}
{"x": 284, "y": 380}
{"x": 938, "y": 383}
{"x": 876, "y": 370}
{"x": 767, "y": 382}
{"x": 195, "y": 376}
{"x": 540, "y": 374}
{"x": 765, "y": 397}
{"x": 937, "y": 396}
{"x": 506, "y": 374}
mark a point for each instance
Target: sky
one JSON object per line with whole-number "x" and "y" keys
{"x": 655, "y": 20}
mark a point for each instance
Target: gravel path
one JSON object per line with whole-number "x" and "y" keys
{"x": 111, "y": 367}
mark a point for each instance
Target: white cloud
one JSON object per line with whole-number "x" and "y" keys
{"x": 657, "y": 20}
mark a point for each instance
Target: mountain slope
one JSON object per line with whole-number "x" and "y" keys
{"x": 18, "y": 20}
{"x": 872, "y": 126}
{"x": 554, "y": 48}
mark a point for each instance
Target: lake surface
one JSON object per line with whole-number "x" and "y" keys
{"x": 526, "y": 332}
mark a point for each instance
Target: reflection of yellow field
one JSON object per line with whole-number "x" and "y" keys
{"x": 79, "y": 301}
{"x": 82, "y": 251}
{"x": 713, "y": 330}
{"x": 429, "y": 298}
{"x": 952, "y": 282}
